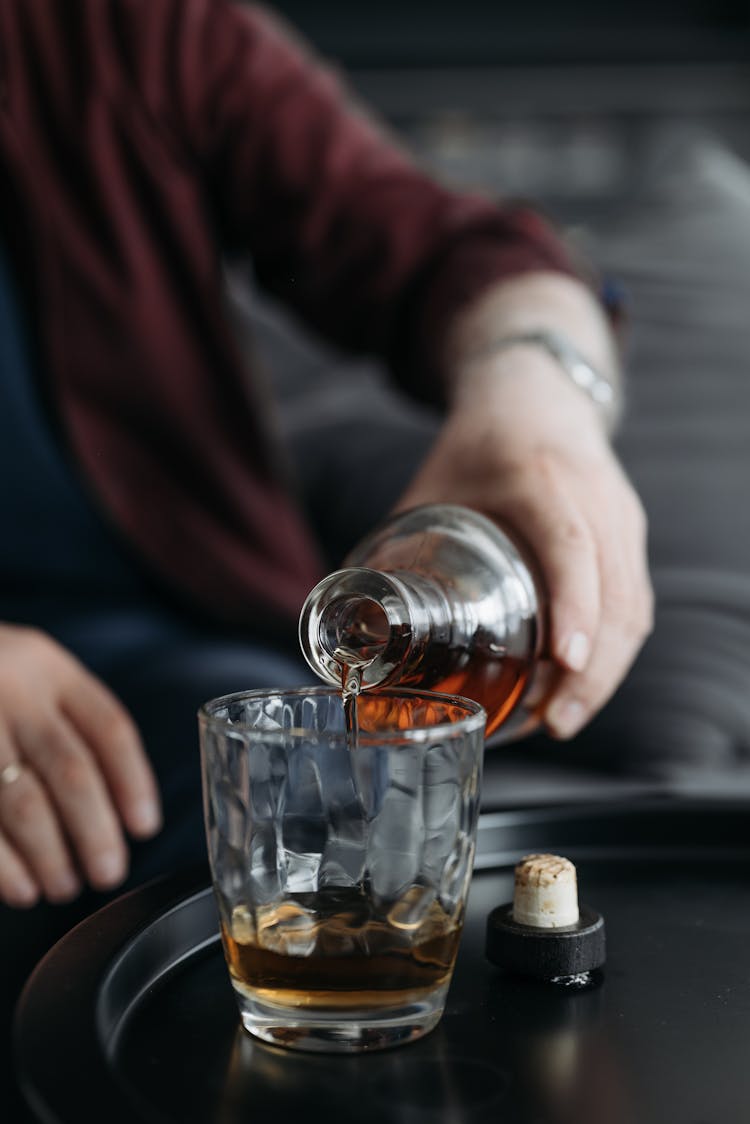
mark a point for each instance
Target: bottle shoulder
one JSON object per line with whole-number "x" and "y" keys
{"x": 464, "y": 550}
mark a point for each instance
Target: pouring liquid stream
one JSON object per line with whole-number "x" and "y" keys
{"x": 358, "y": 635}
{"x": 351, "y": 685}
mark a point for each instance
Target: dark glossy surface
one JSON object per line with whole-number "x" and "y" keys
{"x": 130, "y": 1019}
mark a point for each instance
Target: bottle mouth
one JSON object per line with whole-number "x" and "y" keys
{"x": 354, "y": 630}
{"x": 350, "y": 622}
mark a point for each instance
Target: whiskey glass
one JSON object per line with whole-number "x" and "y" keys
{"x": 341, "y": 857}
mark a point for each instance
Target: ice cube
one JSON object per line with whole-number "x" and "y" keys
{"x": 242, "y": 925}
{"x": 301, "y": 870}
{"x": 287, "y": 928}
{"x": 343, "y": 863}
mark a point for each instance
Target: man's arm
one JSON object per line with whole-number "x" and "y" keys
{"x": 346, "y": 228}
{"x": 340, "y": 221}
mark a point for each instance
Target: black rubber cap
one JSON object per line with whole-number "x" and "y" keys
{"x": 545, "y": 953}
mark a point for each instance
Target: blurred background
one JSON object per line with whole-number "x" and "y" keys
{"x": 480, "y": 31}
{"x": 559, "y": 101}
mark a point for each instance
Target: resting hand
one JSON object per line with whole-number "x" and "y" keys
{"x": 73, "y": 774}
{"x": 525, "y": 446}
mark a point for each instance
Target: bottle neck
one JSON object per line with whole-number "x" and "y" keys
{"x": 376, "y": 625}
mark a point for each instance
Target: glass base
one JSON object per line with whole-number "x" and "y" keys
{"x": 330, "y": 1030}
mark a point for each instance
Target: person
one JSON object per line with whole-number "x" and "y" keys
{"x": 154, "y": 552}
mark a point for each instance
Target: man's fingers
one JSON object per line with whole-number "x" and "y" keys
{"x": 109, "y": 731}
{"x": 77, "y": 791}
{"x": 588, "y": 538}
{"x": 72, "y": 773}
{"x": 30, "y": 826}
{"x": 579, "y": 696}
{"x": 626, "y": 620}
{"x": 17, "y": 886}
{"x": 563, "y": 546}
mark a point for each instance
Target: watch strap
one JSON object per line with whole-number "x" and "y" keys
{"x": 599, "y": 388}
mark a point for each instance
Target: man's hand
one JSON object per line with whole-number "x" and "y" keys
{"x": 527, "y": 447}
{"x": 73, "y": 773}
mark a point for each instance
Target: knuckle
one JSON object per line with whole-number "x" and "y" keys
{"x": 516, "y": 476}
{"x": 23, "y": 804}
{"x": 43, "y": 739}
{"x": 572, "y": 533}
{"x": 55, "y": 755}
{"x": 486, "y": 445}
{"x": 545, "y": 463}
{"x": 545, "y": 477}
{"x": 72, "y": 774}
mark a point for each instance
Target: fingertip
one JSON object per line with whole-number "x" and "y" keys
{"x": 144, "y": 818}
{"x": 564, "y": 718}
{"x": 107, "y": 870}
{"x": 23, "y": 895}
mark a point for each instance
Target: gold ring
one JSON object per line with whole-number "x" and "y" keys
{"x": 10, "y": 773}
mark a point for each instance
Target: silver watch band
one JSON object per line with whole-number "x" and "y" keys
{"x": 579, "y": 370}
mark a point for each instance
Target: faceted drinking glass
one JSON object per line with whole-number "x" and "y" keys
{"x": 341, "y": 861}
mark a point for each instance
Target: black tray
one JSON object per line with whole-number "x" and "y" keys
{"x": 131, "y": 1019}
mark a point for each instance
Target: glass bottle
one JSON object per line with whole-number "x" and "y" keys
{"x": 437, "y": 598}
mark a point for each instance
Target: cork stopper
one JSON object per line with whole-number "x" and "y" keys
{"x": 543, "y": 932}
{"x": 546, "y": 892}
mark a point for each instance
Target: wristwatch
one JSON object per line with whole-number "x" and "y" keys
{"x": 598, "y": 387}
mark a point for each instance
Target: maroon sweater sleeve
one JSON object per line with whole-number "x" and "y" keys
{"x": 340, "y": 223}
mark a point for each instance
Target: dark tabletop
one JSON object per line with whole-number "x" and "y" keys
{"x": 132, "y": 1016}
